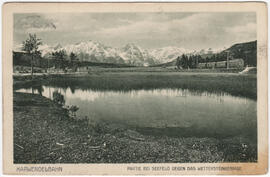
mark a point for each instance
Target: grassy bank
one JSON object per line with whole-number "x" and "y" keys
{"x": 44, "y": 133}
{"x": 164, "y": 69}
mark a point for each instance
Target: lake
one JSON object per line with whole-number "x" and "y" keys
{"x": 172, "y": 112}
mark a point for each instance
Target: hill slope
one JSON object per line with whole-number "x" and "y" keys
{"x": 247, "y": 51}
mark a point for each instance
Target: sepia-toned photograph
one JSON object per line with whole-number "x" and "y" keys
{"x": 145, "y": 87}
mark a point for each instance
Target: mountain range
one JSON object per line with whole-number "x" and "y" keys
{"x": 131, "y": 54}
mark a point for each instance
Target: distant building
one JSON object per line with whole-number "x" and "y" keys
{"x": 235, "y": 63}
{"x": 27, "y": 69}
{"x": 83, "y": 69}
{"x": 54, "y": 70}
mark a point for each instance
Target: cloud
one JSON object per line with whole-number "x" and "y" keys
{"x": 194, "y": 30}
{"x": 149, "y": 30}
{"x": 136, "y": 28}
{"x": 247, "y": 28}
{"x": 33, "y": 23}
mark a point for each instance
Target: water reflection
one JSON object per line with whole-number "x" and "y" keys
{"x": 38, "y": 88}
{"x": 58, "y": 98}
{"x": 211, "y": 113}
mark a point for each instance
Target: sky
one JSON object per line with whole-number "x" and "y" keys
{"x": 193, "y": 31}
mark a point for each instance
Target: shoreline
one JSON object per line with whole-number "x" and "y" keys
{"x": 244, "y": 85}
{"x": 45, "y": 133}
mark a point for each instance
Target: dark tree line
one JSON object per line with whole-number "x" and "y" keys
{"x": 191, "y": 61}
{"x": 32, "y": 56}
{"x": 62, "y": 60}
{"x": 187, "y": 62}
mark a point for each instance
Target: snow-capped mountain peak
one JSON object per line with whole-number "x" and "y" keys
{"x": 167, "y": 54}
{"x": 130, "y": 54}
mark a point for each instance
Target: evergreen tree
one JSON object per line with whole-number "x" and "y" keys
{"x": 30, "y": 46}
{"x": 60, "y": 59}
{"x": 178, "y": 62}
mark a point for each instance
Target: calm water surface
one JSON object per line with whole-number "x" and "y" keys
{"x": 176, "y": 112}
